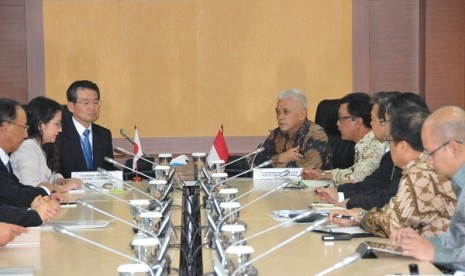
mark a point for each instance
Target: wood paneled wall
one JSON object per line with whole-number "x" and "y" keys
{"x": 411, "y": 45}
{"x": 22, "y": 72}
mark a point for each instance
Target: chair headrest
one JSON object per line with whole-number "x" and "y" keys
{"x": 326, "y": 115}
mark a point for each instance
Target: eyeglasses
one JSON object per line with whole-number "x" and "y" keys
{"x": 383, "y": 122}
{"x": 26, "y": 127}
{"x": 429, "y": 154}
{"x": 342, "y": 118}
{"x": 391, "y": 140}
{"x": 60, "y": 124}
{"x": 87, "y": 102}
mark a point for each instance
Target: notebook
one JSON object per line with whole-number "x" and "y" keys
{"x": 31, "y": 238}
{"x": 84, "y": 224}
{"x": 355, "y": 231}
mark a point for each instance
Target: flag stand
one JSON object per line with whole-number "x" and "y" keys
{"x": 137, "y": 178}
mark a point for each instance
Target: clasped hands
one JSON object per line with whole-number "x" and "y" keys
{"x": 46, "y": 208}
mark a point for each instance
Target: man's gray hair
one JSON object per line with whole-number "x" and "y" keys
{"x": 294, "y": 95}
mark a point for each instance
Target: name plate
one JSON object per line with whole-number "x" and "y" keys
{"x": 271, "y": 173}
{"x": 101, "y": 180}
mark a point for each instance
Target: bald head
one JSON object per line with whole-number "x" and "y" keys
{"x": 443, "y": 137}
{"x": 447, "y": 123}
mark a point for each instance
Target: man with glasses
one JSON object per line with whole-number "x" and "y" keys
{"x": 424, "y": 200}
{"x": 443, "y": 136}
{"x": 20, "y": 204}
{"x": 377, "y": 189}
{"x": 354, "y": 125}
{"x": 84, "y": 144}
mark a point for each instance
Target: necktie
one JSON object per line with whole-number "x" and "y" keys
{"x": 87, "y": 149}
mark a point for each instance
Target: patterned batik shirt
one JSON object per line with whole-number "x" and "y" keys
{"x": 313, "y": 145}
{"x": 368, "y": 154}
{"x": 424, "y": 202}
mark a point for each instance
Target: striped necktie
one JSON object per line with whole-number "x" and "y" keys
{"x": 87, "y": 149}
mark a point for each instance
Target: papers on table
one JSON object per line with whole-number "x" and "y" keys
{"x": 31, "y": 238}
{"x": 288, "y": 213}
{"x": 100, "y": 180}
{"x": 324, "y": 208}
{"x": 266, "y": 174}
{"x": 84, "y": 224}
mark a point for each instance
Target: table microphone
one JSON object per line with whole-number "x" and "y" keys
{"x": 90, "y": 206}
{"x": 65, "y": 231}
{"x": 112, "y": 161}
{"x": 168, "y": 188}
{"x": 361, "y": 250}
{"x": 260, "y": 145}
{"x": 284, "y": 173}
{"x": 312, "y": 226}
{"x": 105, "y": 172}
{"x": 95, "y": 188}
{"x": 266, "y": 163}
{"x": 300, "y": 216}
{"x": 125, "y": 134}
{"x": 251, "y": 202}
{"x": 255, "y": 152}
{"x": 132, "y": 154}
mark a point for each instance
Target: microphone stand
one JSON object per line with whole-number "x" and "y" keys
{"x": 65, "y": 231}
{"x": 361, "y": 250}
{"x": 298, "y": 235}
{"x": 266, "y": 163}
{"x": 125, "y": 134}
{"x": 257, "y": 151}
{"x": 285, "y": 173}
{"x": 261, "y": 145}
{"x": 132, "y": 154}
{"x": 103, "y": 171}
{"x": 251, "y": 202}
{"x": 90, "y": 206}
{"x": 112, "y": 161}
{"x": 301, "y": 216}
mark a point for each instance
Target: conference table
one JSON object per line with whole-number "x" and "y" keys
{"x": 308, "y": 254}
{"x": 59, "y": 254}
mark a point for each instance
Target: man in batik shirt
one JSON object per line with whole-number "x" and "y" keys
{"x": 297, "y": 142}
{"x": 424, "y": 201}
{"x": 354, "y": 123}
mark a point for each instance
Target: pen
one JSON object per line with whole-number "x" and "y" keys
{"x": 351, "y": 218}
{"x": 324, "y": 187}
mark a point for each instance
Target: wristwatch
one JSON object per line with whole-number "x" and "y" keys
{"x": 362, "y": 214}
{"x": 325, "y": 172}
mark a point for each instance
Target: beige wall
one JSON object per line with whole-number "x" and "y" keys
{"x": 180, "y": 68}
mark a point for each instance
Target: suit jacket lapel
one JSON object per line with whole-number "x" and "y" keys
{"x": 74, "y": 140}
{"x": 97, "y": 147}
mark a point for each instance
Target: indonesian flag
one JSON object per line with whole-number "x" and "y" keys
{"x": 219, "y": 149}
{"x": 137, "y": 149}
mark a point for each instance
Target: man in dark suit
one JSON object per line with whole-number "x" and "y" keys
{"x": 13, "y": 130}
{"x": 84, "y": 144}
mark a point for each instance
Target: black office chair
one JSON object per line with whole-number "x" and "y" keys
{"x": 142, "y": 166}
{"x": 237, "y": 167}
{"x": 343, "y": 151}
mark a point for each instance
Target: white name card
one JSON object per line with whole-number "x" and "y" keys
{"x": 101, "y": 180}
{"x": 271, "y": 173}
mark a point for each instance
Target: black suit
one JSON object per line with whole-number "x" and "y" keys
{"x": 19, "y": 216}
{"x": 14, "y": 193}
{"x": 377, "y": 189}
{"x": 72, "y": 156}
